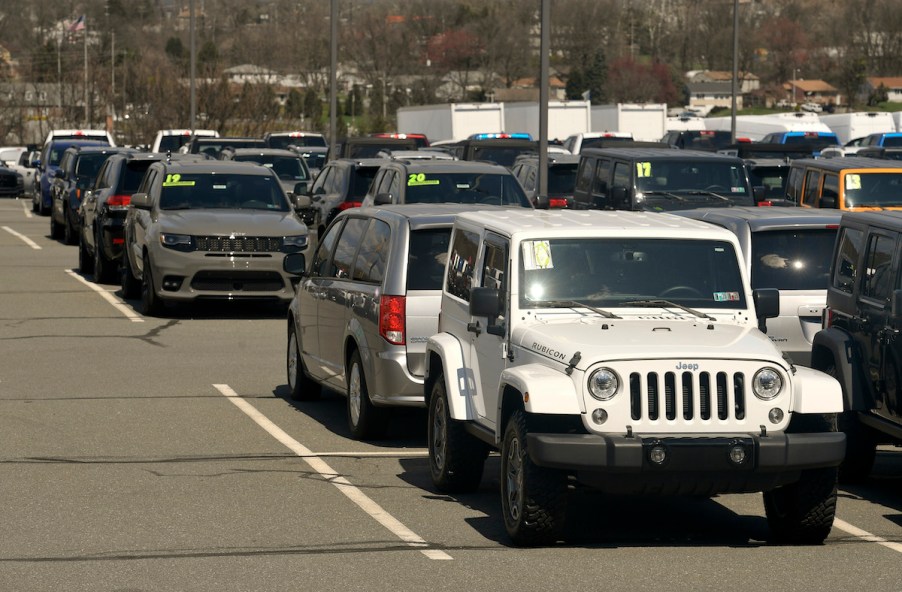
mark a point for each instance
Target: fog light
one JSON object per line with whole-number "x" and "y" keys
{"x": 599, "y": 416}
{"x": 657, "y": 454}
{"x": 737, "y": 454}
{"x": 775, "y": 415}
{"x": 172, "y": 283}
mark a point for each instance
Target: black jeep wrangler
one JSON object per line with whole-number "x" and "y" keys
{"x": 860, "y": 343}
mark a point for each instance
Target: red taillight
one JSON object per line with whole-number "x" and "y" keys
{"x": 827, "y": 318}
{"x": 557, "y": 202}
{"x": 119, "y": 201}
{"x": 347, "y": 205}
{"x": 764, "y": 204}
{"x": 392, "y": 319}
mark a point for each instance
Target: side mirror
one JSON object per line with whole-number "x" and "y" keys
{"x": 620, "y": 198}
{"x": 382, "y": 199}
{"x": 141, "y": 201}
{"x": 767, "y": 305}
{"x": 541, "y": 202}
{"x": 485, "y": 302}
{"x": 300, "y": 187}
{"x": 295, "y": 264}
{"x": 759, "y": 192}
{"x": 319, "y": 190}
{"x": 301, "y": 201}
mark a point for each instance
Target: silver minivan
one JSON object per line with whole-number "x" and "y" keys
{"x": 787, "y": 248}
{"x": 365, "y": 305}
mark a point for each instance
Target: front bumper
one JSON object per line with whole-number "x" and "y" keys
{"x": 692, "y": 463}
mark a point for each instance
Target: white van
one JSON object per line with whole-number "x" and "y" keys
{"x": 850, "y": 126}
{"x": 755, "y": 127}
{"x": 173, "y": 139}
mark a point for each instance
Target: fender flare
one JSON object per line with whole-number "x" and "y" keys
{"x": 836, "y": 346}
{"x": 544, "y": 390}
{"x": 459, "y": 381}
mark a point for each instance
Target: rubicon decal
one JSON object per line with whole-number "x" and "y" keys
{"x": 552, "y": 353}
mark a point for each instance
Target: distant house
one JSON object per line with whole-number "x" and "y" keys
{"x": 811, "y": 91}
{"x": 705, "y": 96}
{"x": 251, "y": 74}
{"x": 748, "y": 82}
{"x": 892, "y": 84}
{"x": 527, "y": 89}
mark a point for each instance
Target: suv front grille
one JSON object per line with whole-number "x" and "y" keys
{"x": 687, "y": 396}
{"x": 240, "y": 244}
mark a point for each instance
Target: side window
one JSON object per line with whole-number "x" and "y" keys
{"x": 794, "y": 185}
{"x": 600, "y": 184}
{"x": 494, "y": 268}
{"x": 622, "y": 177}
{"x": 373, "y": 253}
{"x": 461, "y": 260}
{"x": 101, "y": 180}
{"x": 394, "y": 186}
{"x": 812, "y": 186}
{"x": 831, "y": 189}
{"x": 878, "y": 271}
{"x": 380, "y": 183}
{"x": 322, "y": 260}
{"x": 584, "y": 175}
{"x": 147, "y": 185}
{"x": 347, "y": 246}
{"x": 320, "y": 183}
{"x": 845, "y": 271}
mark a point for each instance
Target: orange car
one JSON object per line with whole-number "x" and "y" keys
{"x": 846, "y": 183}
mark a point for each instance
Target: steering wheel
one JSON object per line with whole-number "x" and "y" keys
{"x": 685, "y": 291}
{"x": 715, "y": 188}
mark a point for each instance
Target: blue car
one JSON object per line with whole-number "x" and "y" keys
{"x": 883, "y": 140}
{"x": 51, "y": 154}
{"x": 817, "y": 141}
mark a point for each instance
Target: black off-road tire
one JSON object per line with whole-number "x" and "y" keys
{"x": 365, "y": 420}
{"x": 533, "y": 498}
{"x": 861, "y": 447}
{"x": 129, "y": 284}
{"x": 456, "y": 459}
{"x": 301, "y": 386}
{"x": 802, "y": 513}
{"x": 85, "y": 261}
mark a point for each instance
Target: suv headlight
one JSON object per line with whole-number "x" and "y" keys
{"x": 767, "y": 384}
{"x": 295, "y": 243}
{"x": 179, "y": 242}
{"x": 603, "y": 384}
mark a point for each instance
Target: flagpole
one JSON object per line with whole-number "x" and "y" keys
{"x": 85, "y": 32}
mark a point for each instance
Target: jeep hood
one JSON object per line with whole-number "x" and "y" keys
{"x": 628, "y": 339}
{"x": 209, "y": 222}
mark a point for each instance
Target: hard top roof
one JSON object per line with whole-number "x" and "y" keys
{"x": 421, "y": 215}
{"x": 207, "y": 166}
{"x": 847, "y": 162}
{"x": 657, "y": 154}
{"x": 262, "y": 151}
{"x": 448, "y": 166}
{"x": 768, "y": 218}
{"x": 885, "y": 218}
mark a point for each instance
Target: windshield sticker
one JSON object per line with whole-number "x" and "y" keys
{"x": 537, "y": 255}
{"x": 853, "y": 181}
{"x": 643, "y": 169}
{"x": 219, "y": 186}
{"x": 416, "y": 179}
{"x": 726, "y": 296}
{"x": 175, "y": 180}
{"x": 737, "y": 189}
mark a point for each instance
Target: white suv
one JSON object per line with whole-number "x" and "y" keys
{"x": 621, "y": 350}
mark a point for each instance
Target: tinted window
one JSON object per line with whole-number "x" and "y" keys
{"x": 873, "y": 189}
{"x": 772, "y": 178}
{"x": 173, "y": 143}
{"x": 427, "y": 254}
{"x": 321, "y": 261}
{"x": 723, "y": 178}
{"x": 286, "y": 141}
{"x": 222, "y": 191}
{"x": 562, "y": 179}
{"x": 792, "y": 259}
{"x": 845, "y": 271}
{"x": 585, "y": 174}
{"x": 612, "y": 272}
{"x": 812, "y": 182}
{"x": 502, "y": 155}
{"x": 347, "y": 246}
{"x": 373, "y": 254}
{"x": 461, "y": 260}
{"x": 130, "y": 178}
{"x": 467, "y": 188}
{"x": 879, "y": 272}
{"x": 288, "y": 168}
{"x": 361, "y": 178}
{"x": 892, "y": 141}
{"x": 89, "y": 164}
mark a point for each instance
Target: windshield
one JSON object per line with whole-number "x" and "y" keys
{"x": 873, "y": 189}
{"x": 222, "y": 191}
{"x": 285, "y": 141}
{"x": 892, "y": 141}
{"x": 314, "y": 160}
{"x": 469, "y": 188}
{"x": 288, "y": 168}
{"x": 609, "y": 272}
{"x": 792, "y": 259}
{"x": 503, "y": 155}
{"x": 816, "y": 141}
{"x": 173, "y": 143}
{"x": 692, "y": 177}
{"x": 772, "y": 178}
{"x": 707, "y": 140}
{"x": 89, "y": 164}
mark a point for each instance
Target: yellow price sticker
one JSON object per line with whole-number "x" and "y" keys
{"x": 414, "y": 179}
{"x": 175, "y": 180}
{"x": 853, "y": 181}
{"x": 643, "y": 169}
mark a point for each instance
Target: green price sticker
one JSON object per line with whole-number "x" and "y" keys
{"x": 414, "y": 179}
{"x": 175, "y": 180}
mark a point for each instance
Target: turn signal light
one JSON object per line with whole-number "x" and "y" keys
{"x": 392, "y": 319}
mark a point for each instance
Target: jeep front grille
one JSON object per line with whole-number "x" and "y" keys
{"x": 239, "y": 244}
{"x": 687, "y": 396}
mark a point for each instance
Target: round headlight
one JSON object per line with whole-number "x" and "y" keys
{"x": 767, "y": 384}
{"x": 603, "y": 384}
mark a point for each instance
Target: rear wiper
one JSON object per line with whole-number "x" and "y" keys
{"x": 668, "y": 303}
{"x": 575, "y": 304}
{"x": 666, "y": 194}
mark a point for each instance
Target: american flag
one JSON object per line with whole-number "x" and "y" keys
{"x": 78, "y": 24}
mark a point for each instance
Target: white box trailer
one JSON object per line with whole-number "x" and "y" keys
{"x": 684, "y": 123}
{"x": 646, "y": 121}
{"x": 565, "y": 118}
{"x": 755, "y": 127}
{"x": 849, "y": 126}
{"x": 897, "y": 117}
{"x": 451, "y": 121}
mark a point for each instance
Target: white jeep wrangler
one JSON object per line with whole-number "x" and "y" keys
{"x": 620, "y": 351}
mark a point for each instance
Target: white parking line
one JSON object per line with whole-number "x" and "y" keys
{"x": 108, "y": 296}
{"x": 865, "y": 535}
{"x": 330, "y": 475}
{"x": 27, "y": 207}
{"x": 23, "y": 238}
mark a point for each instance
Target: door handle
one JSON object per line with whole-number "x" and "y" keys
{"x": 474, "y": 328}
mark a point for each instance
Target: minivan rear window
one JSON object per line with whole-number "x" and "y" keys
{"x": 796, "y": 259}
{"x": 426, "y": 260}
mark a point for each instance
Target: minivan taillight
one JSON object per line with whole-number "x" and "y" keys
{"x": 118, "y": 202}
{"x": 347, "y": 205}
{"x": 392, "y": 319}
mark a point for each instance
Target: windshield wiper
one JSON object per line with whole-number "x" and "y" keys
{"x": 707, "y": 193}
{"x": 576, "y": 304}
{"x": 666, "y": 303}
{"x": 666, "y": 194}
